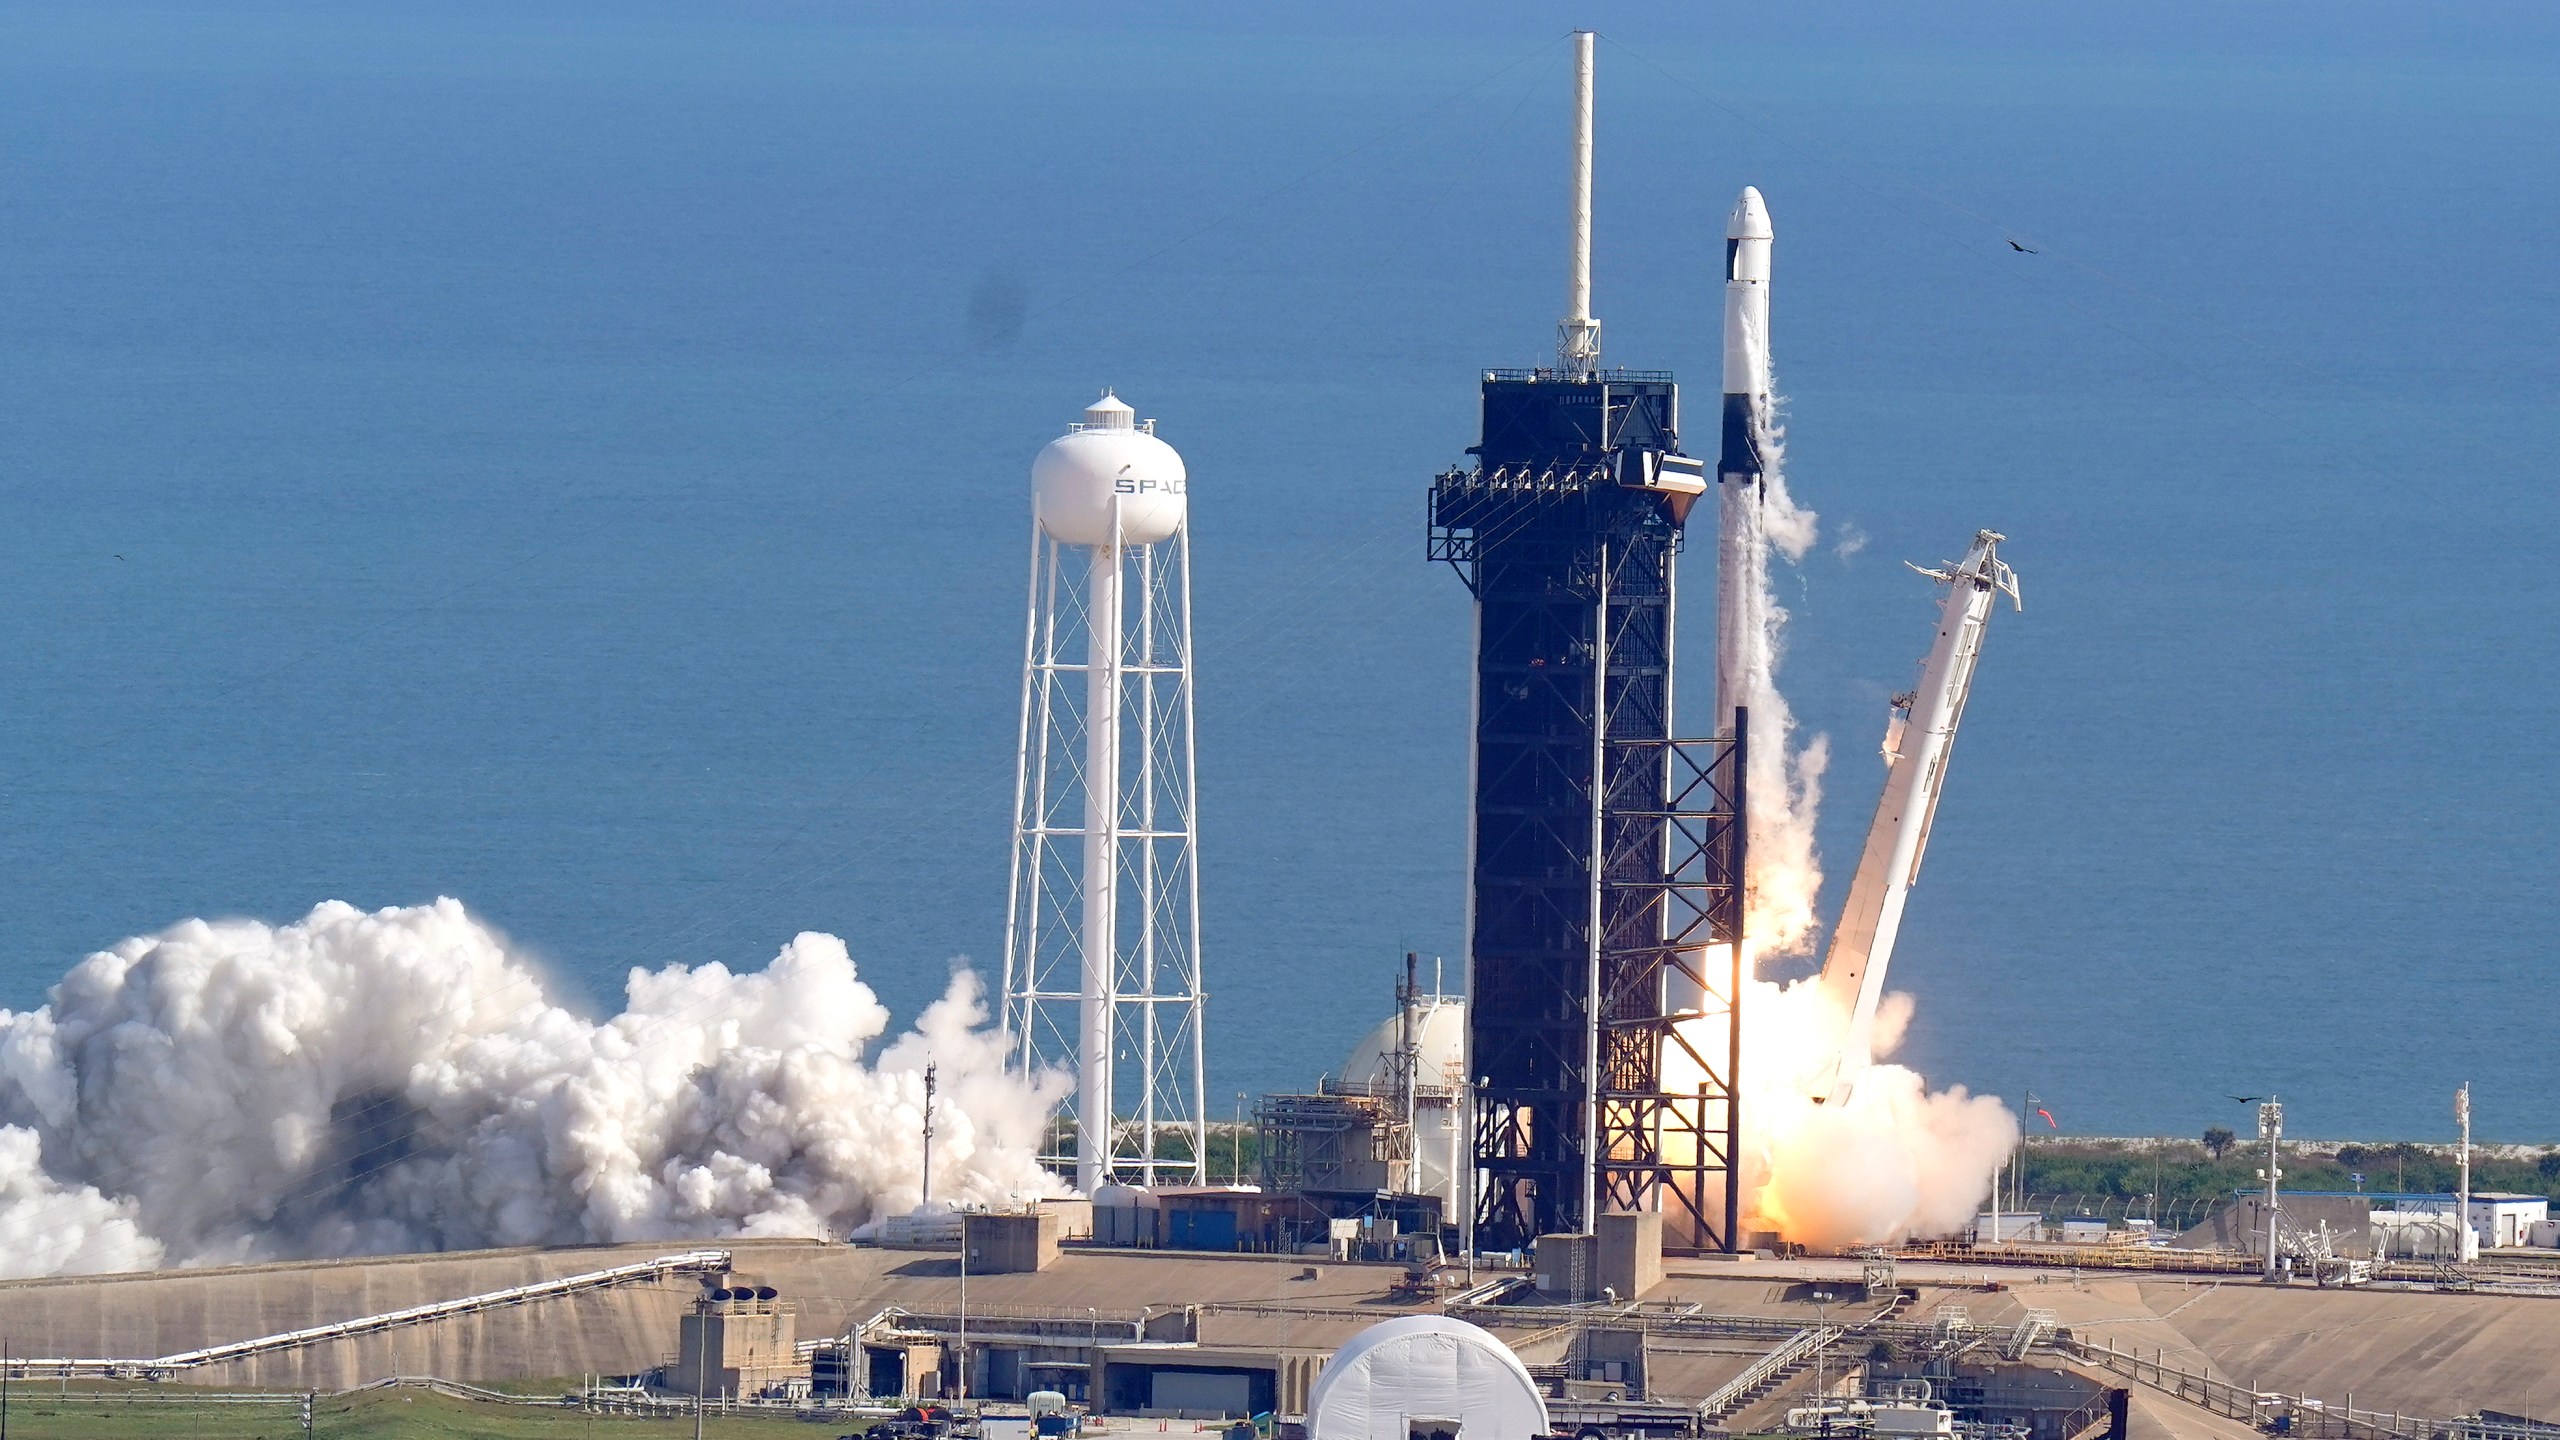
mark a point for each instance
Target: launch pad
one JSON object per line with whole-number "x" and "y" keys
{"x": 1605, "y": 877}
{"x": 1606, "y": 855}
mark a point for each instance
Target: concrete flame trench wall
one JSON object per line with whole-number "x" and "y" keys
{"x": 624, "y": 1330}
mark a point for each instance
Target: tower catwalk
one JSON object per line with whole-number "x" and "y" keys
{"x": 1605, "y": 856}
{"x": 1102, "y": 934}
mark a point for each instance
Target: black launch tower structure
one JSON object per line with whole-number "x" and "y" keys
{"x": 1606, "y": 854}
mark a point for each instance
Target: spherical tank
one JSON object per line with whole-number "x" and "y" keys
{"x": 1103, "y": 465}
{"x": 1439, "y": 1032}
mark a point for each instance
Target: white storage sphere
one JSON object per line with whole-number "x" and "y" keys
{"x": 1078, "y": 477}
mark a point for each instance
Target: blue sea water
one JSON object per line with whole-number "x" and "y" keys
{"x": 571, "y": 457}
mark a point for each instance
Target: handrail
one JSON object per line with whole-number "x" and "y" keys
{"x": 1734, "y": 1391}
{"x": 710, "y": 1260}
{"x": 2309, "y": 1417}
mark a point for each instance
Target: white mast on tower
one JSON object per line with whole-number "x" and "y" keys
{"x": 1578, "y": 334}
{"x": 1102, "y": 932}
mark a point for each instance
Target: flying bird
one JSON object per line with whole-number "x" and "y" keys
{"x": 2248, "y": 1099}
{"x": 2023, "y": 250}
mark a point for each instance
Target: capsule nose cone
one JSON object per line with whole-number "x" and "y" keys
{"x": 1750, "y": 218}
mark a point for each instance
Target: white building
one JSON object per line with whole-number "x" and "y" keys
{"x": 1991, "y": 1227}
{"x": 2497, "y": 1219}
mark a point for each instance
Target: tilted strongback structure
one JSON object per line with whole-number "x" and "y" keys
{"x": 1606, "y": 855}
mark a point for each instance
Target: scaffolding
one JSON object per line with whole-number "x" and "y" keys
{"x": 1332, "y": 1141}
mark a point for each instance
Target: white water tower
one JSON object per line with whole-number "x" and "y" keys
{"x": 1102, "y": 937}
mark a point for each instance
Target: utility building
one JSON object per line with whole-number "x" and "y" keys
{"x": 738, "y": 1338}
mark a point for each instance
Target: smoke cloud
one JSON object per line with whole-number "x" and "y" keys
{"x": 398, "y": 1081}
{"x": 1898, "y": 1159}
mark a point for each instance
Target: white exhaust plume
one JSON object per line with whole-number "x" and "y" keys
{"x": 358, "y": 1083}
{"x": 1898, "y": 1160}
{"x": 1786, "y": 777}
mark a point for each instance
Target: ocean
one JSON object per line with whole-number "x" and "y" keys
{"x": 572, "y": 457}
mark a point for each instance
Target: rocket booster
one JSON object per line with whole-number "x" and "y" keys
{"x": 1742, "y": 550}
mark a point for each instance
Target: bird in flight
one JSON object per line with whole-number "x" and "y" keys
{"x": 2023, "y": 250}
{"x": 2248, "y": 1099}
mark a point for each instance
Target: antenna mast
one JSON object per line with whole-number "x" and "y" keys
{"x": 926, "y": 1198}
{"x": 1578, "y": 338}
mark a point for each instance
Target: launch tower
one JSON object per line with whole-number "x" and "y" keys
{"x": 1605, "y": 855}
{"x": 1102, "y": 935}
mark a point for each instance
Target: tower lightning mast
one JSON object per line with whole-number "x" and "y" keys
{"x": 1604, "y": 855}
{"x": 1578, "y": 337}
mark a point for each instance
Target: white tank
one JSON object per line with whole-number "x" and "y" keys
{"x": 1106, "y": 460}
{"x": 1440, "y": 1035}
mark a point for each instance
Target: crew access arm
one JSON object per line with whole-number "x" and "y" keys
{"x": 1918, "y": 740}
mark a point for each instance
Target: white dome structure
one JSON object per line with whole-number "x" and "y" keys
{"x": 1425, "y": 1375}
{"x": 1109, "y": 459}
{"x": 1439, "y": 1034}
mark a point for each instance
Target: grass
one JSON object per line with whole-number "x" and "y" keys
{"x": 40, "y": 1412}
{"x": 2103, "y": 1176}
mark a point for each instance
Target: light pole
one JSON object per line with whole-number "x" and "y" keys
{"x": 964, "y": 1305}
{"x": 925, "y": 1183}
{"x": 701, "y": 1336}
{"x": 1821, "y": 1386}
{"x": 1236, "y": 1155}
{"x": 2271, "y": 1130}
{"x": 2462, "y": 1232}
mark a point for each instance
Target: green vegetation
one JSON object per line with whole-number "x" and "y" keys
{"x": 38, "y": 1411}
{"x": 2175, "y": 1179}
{"x": 1225, "y": 1140}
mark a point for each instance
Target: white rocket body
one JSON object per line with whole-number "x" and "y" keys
{"x": 1742, "y": 552}
{"x": 1918, "y": 741}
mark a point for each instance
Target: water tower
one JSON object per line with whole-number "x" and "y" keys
{"x": 1102, "y": 934}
